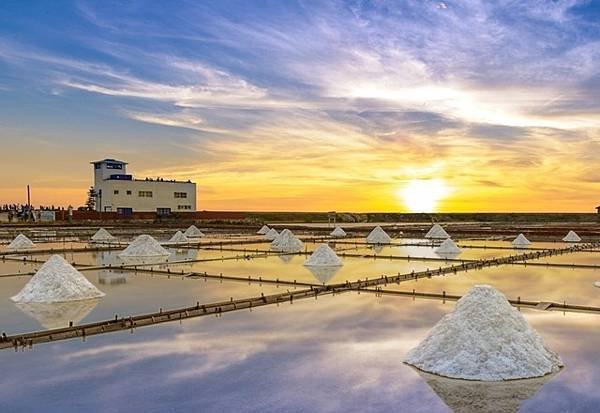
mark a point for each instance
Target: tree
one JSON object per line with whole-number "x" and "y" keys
{"x": 91, "y": 200}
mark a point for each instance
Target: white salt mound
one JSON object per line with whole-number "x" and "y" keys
{"x": 21, "y": 242}
{"x": 144, "y": 246}
{"x": 572, "y": 237}
{"x": 338, "y": 232}
{"x": 521, "y": 241}
{"x": 272, "y": 234}
{"x": 597, "y": 284}
{"x": 378, "y": 236}
{"x": 263, "y": 230}
{"x": 448, "y": 247}
{"x": 179, "y": 238}
{"x": 484, "y": 338}
{"x": 57, "y": 281}
{"x": 286, "y": 241}
{"x": 323, "y": 256}
{"x": 193, "y": 232}
{"x": 437, "y": 232}
{"x": 103, "y": 235}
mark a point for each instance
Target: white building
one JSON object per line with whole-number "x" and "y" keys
{"x": 116, "y": 191}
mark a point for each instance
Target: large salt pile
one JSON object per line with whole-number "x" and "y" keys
{"x": 144, "y": 246}
{"x": 323, "y": 256}
{"x": 21, "y": 242}
{"x": 448, "y": 247}
{"x": 572, "y": 237}
{"x": 264, "y": 229}
{"x": 103, "y": 235}
{"x": 486, "y": 339}
{"x": 57, "y": 281}
{"x": 179, "y": 238}
{"x": 286, "y": 241}
{"x": 193, "y": 232}
{"x": 378, "y": 236}
{"x": 437, "y": 232}
{"x": 521, "y": 241}
{"x": 338, "y": 232}
{"x": 272, "y": 234}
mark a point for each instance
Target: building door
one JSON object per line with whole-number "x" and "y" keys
{"x": 163, "y": 211}
{"x": 126, "y": 212}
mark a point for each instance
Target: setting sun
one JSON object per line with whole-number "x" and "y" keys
{"x": 423, "y": 195}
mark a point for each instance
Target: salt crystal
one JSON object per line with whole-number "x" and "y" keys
{"x": 144, "y": 246}
{"x": 286, "y": 241}
{"x": 437, "y": 232}
{"x": 323, "y": 256}
{"x": 484, "y": 338}
{"x": 21, "y": 242}
{"x": 264, "y": 229}
{"x": 572, "y": 237}
{"x": 57, "y": 281}
{"x": 338, "y": 232}
{"x": 378, "y": 236}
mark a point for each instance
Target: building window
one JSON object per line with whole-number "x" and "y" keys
{"x": 116, "y": 192}
{"x": 114, "y": 166}
{"x": 145, "y": 194}
{"x": 128, "y": 192}
{"x": 180, "y": 194}
{"x": 163, "y": 211}
{"x": 184, "y": 207}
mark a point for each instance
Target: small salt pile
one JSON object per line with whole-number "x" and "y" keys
{"x": 264, "y": 229}
{"x": 323, "y": 256}
{"x": 597, "y": 284}
{"x": 21, "y": 242}
{"x": 437, "y": 232}
{"x": 103, "y": 235}
{"x": 484, "y": 338}
{"x": 378, "y": 236}
{"x": 448, "y": 247}
{"x": 179, "y": 238}
{"x": 286, "y": 241}
{"x": 272, "y": 234}
{"x": 521, "y": 241}
{"x": 144, "y": 246}
{"x": 193, "y": 232}
{"x": 338, "y": 232}
{"x": 57, "y": 281}
{"x": 572, "y": 237}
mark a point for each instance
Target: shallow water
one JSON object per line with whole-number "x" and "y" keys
{"x": 333, "y": 353}
{"x": 341, "y": 353}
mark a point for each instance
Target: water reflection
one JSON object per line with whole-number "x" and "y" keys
{"x": 58, "y": 315}
{"x": 324, "y": 274}
{"x": 286, "y": 258}
{"x": 467, "y": 396}
{"x": 111, "y": 278}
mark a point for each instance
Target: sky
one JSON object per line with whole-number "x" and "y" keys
{"x": 400, "y": 106}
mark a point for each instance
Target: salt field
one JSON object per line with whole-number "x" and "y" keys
{"x": 255, "y": 358}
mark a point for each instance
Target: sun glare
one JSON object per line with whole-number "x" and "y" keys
{"x": 423, "y": 195}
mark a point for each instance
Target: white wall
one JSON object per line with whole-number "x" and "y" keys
{"x": 162, "y": 195}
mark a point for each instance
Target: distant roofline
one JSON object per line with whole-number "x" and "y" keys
{"x": 109, "y": 160}
{"x": 164, "y": 181}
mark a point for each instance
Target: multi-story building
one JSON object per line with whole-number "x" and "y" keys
{"x": 116, "y": 191}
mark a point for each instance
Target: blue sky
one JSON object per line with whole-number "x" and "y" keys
{"x": 265, "y": 93}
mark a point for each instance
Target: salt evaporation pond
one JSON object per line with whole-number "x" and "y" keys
{"x": 257, "y": 360}
{"x": 248, "y": 361}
